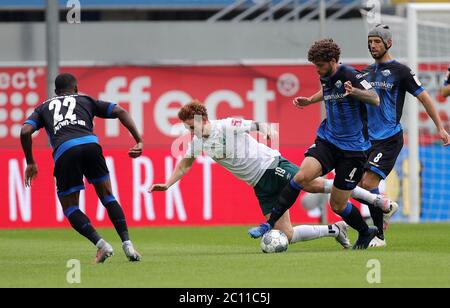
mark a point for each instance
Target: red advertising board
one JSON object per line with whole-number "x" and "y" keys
{"x": 153, "y": 95}
{"x": 208, "y": 195}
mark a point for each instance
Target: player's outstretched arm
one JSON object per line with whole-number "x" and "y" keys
{"x": 181, "y": 169}
{"x": 301, "y": 101}
{"x": 127, "y": 121}
{"x": 365, "y": 96}
{"x": 445, "y": 91}
{"x": 427, "y": 102}
{"x": 27, "y": 147}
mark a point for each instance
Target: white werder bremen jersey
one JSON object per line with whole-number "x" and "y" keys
{"x": 230, "y": 145}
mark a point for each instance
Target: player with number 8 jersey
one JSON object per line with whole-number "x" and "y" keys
{"x": 392, "y": 80}
{"x": 68, "y": 121}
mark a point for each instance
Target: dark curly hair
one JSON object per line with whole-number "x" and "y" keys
{"x": 324, "y": 50}
{"x": 189, "y": 111}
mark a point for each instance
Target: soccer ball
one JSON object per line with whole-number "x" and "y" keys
{"x": 274, "y": 241}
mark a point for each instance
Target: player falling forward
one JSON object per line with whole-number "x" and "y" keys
{"x": 68, "y": 121}
{"x": 253, "y": 162}
{"x": 341, "y": 142}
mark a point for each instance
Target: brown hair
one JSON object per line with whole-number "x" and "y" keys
{"x": 324, "y": 50}
{"x": 192, "y": 109}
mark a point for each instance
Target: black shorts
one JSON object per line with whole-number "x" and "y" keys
{"x": 83, "y": 160}
{"x": 349, "y": 165}
{"x": 383, "y": 154}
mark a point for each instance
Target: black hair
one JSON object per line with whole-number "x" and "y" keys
{"x": 324, "y": 50}
{"x": 65, "y": 83}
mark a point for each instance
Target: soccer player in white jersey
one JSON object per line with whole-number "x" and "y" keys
{"x": 229, "y": 143}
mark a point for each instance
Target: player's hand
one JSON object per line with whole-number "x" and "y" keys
{"x": 301, "y": 102}
{"x": 136, "y": 151}
{"x": 348, "y": 88}
{"x": 445, "y": 137}
{"x": 158, "y": 187}
{"x": 30, "y": 174}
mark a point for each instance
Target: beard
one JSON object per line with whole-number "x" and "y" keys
{"x": 379, "y": 56}
{"x": 329, "y": 72}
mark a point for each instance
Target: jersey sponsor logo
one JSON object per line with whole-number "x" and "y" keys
{"x": 236, "y": 122}
{"x": 417, "y": 81}
{"x": 359, "y": 76}
{"x": 386, "y": 73}
{"x": 334, "y": 97}
{"x": 382, "y": 85}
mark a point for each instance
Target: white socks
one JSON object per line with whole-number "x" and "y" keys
{"x": 309, "y": 232}
{"x": 362, "y": 194}
{"x": 327, "y": 186}
{"x": 100, "y": 244}
{"x": 358, "y": 193}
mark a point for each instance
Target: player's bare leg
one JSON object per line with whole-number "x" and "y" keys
{"x": 117, "y": 217}
{"x": 351, "y": 215}
{"x": 316, "y": 186}
{"x": 81, "y": 223}
{"x": 309, "y": 170}
{"x": 284, "y": 224}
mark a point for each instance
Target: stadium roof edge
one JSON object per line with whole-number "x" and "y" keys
{"x": 139, "y": 4}
{"x": 179, "y": 62}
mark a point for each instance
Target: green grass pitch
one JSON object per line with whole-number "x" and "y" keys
{"x": 224, "y": 257}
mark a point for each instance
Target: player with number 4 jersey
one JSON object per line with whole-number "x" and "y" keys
{"x": 341, "y": 142}
{"x": 68, "y": 121}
